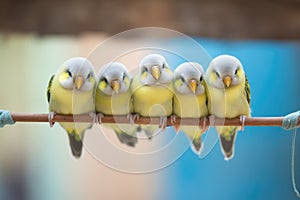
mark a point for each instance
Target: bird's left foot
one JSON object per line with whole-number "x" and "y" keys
{"x": 204, "y": 125}
{"x": 242, "y": 120}
{"x": 173, "y": 121}
{"x": 99, "y": 117}
{"x": 163, "y": 122}
{"x": 132, "y": 118}
{"x": 212, "y": 120}
{"x": 93, "y": 117}
{"x": 51, "y": 119}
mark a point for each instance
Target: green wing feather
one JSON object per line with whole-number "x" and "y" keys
{"x": 207, "y": 93}
{"x": 49, "y": 87}
{"x": 247, "y": 89}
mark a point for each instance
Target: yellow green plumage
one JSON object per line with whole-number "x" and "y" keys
{"x": 153, "y": 92}
{"x": 190, "y": 100}
{"x": 64, "y": 98}
{"x": 113, "y": 97}
{"x": 228, "y": 94}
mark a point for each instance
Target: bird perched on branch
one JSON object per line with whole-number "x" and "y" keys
{"x": 153, "y": 92}
{"x": 113, "y": 97}
{"x": 228, "y": 93}
{"x": 190, "y": 100}
{"x": 70, "y": 91}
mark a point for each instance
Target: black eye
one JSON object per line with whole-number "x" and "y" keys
{"x": 69, "y": 73}
{"x": 88, "y": 76}
{"x": 236, "y": 71}
{"x": 201, "y": 78}
{"x": 105, "y": 80}
{"x": 145, "y": 69}
{"x": 182, "y": 79}
{"x": 164, "y": 65}
{"x": 218, "y": 75}
{"x": 124, "y": 75}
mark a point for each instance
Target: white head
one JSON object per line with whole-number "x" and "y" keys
{"x": 78, "y": 74}
{"x": 114, "y": 79}
{"x": 225, "y": 71}
{"x": 188, "y": 79}
{"x": 154, "y": 69}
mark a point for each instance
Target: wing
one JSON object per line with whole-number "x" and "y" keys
{"x": 247, "y": 89}
{"x": 49, "y": 87}
{"x": 131, "y": 97}
{"x": 207, "y": 92}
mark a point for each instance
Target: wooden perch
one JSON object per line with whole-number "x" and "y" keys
{"x": 121, "y": 119}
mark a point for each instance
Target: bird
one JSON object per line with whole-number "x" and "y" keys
{"x": 153, "y": 92}
{"x": 190, "y": 100}
{"x": 228, "y": 94}
{"x": 70, "y": 91}
{"x": 113, "y": 97}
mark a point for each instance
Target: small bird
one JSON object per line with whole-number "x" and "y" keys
{"x": 113, "y": 97}
{"x": 190, "y": 100}
{"x": 228, "y": 94}
{"x": 152, "y": 91}
{"x": 70, "y": 91}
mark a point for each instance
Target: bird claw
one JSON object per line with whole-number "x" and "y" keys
{"x": 99, "y": 117}
{"x": 242, "y": 120}
{"x": 211, "y": 120}
{"x": 173, "y": 119}
{"x": 93, "y": 117}
{"x": 50, "y": 119}
{"x": 132, "y": 118}
{"x": 204, "y": 125}
{"x": 163, "y": 122}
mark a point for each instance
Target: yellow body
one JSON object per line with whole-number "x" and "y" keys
{"x": 190, "y": 106}
{"x": 63, "y": 101}
{"x": 117, "y": 104}
{"x": 228, "y": 103}
{"x": 154, "y": 100}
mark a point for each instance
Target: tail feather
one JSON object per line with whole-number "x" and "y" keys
{"x": 197, "y": 144}
{"x": 129, "y": 140}
{"x": 227, "y": 144}
{"x": 139, "y": 128}
{"x": 76, "y": 145}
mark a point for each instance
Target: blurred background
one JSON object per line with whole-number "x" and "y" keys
{"x": 36, "y": 37}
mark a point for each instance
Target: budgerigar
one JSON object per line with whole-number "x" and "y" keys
{"x": 113, "y": 97}
{"x": 190, "y": 100}
{"x": 228, "y": 97}
{"x": 153, "y": 91}
{"x": 70, "y": 91}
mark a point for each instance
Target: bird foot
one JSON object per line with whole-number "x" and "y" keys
{"x": 212, "y": 120}
{"x": 242, "y": 120}
{"x": 173, "y": 119}
{"x": 204, "y": 125}
{"x": 99, "y": 117}
{"x": 163, "y": 122}
{"x": 93, "y": 117}
{"x": 51, "y": 119}
{"x": 132, "y": 118}
{"x": 175, "y": 126}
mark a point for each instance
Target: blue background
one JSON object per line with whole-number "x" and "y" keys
{"x": 261, "y": 167}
